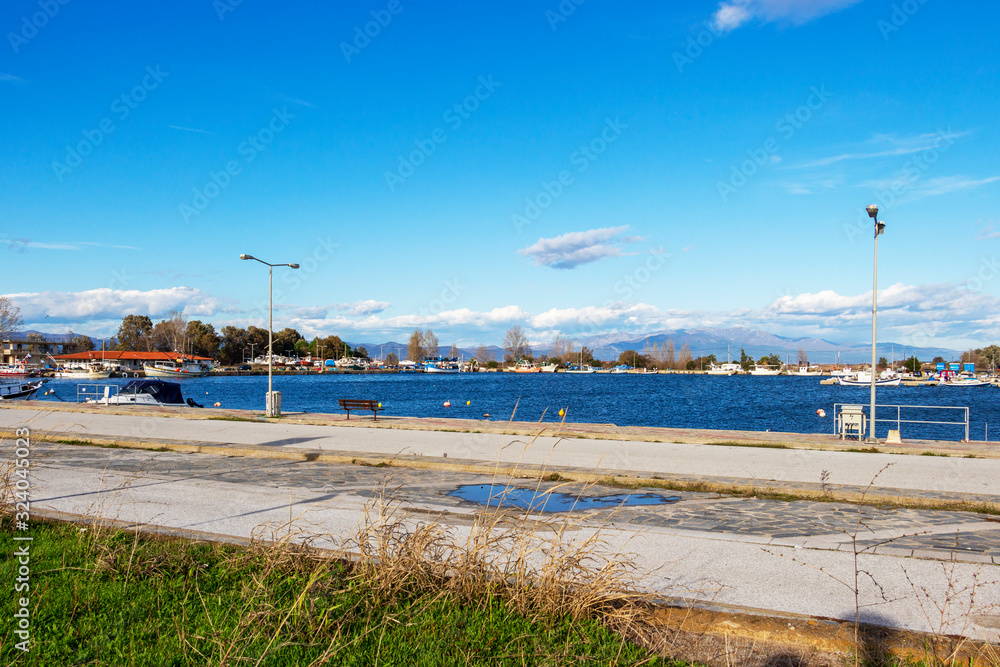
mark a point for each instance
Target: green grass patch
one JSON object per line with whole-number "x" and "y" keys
{"x": 866, "y": 450}
{"x": 761, "y": 445}
{"x": 232, "y": 418}
{"x": 104, "y": 596}
{"x": 933, "y": 454}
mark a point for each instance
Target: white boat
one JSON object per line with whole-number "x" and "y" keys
{"x": 442, "y": 365}
{"x": 136, "y": 392}
{"x": 89, "y": 372}
{"x": 182, "y": 367}
{"x": 581, "y": 370}
{"x": 16, "y": 370}
{"x": 723, "y": 369}
{"x": 966, "y": 381}
{"x": 550, "y": 368}
{"x": 864, "y": 379}
{"x": 843, "y": 372}
{"x": 808, "y": 371}
{"x": 12, "y": 390}
{"x": 764, "y": 370}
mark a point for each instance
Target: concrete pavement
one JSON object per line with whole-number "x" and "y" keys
{"x": 767, "y": 555}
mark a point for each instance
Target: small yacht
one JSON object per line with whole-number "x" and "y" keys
{"x": 581, "y": 370}
{"x": 723, "y": 369}
{"x": 140, "y": 392}
{"x": 442, "y": 365}
{"x": 764, "y": 370}
{"x": 181, "y": 367}
{"x": 864, "y": 379}
{"x": 11, "y": 390}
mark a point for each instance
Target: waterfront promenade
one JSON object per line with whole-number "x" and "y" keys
{"x": 769, "y": 531}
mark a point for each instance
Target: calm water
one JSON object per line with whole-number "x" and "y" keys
{"x": 743, "y": 402}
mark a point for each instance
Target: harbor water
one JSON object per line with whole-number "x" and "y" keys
{"x": 742, "y": 402}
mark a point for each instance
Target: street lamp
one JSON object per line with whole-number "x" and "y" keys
{"x": 272, "y": 406}
{"x": 879, "y": 228}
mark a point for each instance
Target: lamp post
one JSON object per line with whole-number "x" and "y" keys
{"x": 879, "y": 228}
{"x": 271, "y": 409}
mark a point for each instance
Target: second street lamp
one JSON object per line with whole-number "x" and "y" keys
{"x": 272, "y": 403}
{"x": 879, "y": 228}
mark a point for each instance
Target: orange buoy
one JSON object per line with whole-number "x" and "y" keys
{"x": 447, "y": 404}
{"x": 821, "y": 413}
{"x": 217, "y": 404}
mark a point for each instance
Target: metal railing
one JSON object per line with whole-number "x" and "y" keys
{"x": 95, "y": 392}
{"x": 838, "y": 407}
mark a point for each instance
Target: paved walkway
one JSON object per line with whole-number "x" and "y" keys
{"x": 771, "y": 555}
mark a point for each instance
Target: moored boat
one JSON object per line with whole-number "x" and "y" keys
{"x": 181, "y": 367}
{"x": 12, "y": 390}
{"x": 525, "y": 366}
{"x": 138, "y": 392}
{"x": 447, "y": 365}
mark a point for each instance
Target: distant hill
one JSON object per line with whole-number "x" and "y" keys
{"x": 59, "y": 338}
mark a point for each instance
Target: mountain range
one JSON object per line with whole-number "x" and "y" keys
{"x": 723, "y": 343}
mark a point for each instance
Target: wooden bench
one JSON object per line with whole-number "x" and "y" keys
{"x": 359, "y": 404}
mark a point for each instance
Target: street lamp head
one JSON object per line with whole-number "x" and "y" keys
{"x": 294, "y": 266}
{"x": 879, "y": 228}
{"x": 247, "y": 257}
{"x": 872, "y": 211}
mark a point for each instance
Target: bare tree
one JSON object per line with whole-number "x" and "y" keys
{"x": 482, "y": 354}
{"x": 669, "y": 361}
{"x": 515, "y": 342}
{"x": 803, "y": 358}
{"x": 430, "y": 343}
{"x": 454, "y": 352}
{"x": 168, "y": 334}
{"x": 560, "y": 347}
{"x": 685, "y": 357}
{"x": 10, "y": 317}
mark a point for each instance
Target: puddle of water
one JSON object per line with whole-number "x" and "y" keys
{"x": 496, "y": 495}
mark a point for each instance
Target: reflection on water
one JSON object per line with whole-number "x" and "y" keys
{"x": 498, "y": 495}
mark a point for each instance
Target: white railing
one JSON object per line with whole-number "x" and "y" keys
{"x": 95, "y": 392}
{"x": 898, "y": 420}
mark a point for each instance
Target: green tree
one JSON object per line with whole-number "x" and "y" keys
{"x": 883, "y": 362}
{"x": 632, "y": 358}
{"x": 361, "y": 352}
{"x": 391, "y": 359}
{"x": 415, "y": 348}
{"x": 135, "y": 333}
{"x": 746, "y": 361}
{"x": 285, "y": 340}
{"x": 773, "y": 360}
{"x": 912, "y": 364}
{"x": 233, "y": 348}
{"x": 201, "y": 339}
{"x": 78, "y": 343}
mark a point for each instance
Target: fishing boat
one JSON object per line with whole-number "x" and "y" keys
{"x": 581, "y": 370}
{"x": 723, "y": 369}
{"x": 447, "y": 365}
{"x": 16, "y": 370}
{"x": 137, "y": 392}
{"x": 181, "y": 367}
{"x": 864, "y": 379}
{"x": 94, "y": 371}
{"x": 550, "y": 368}
{"x": 808, "y": 371}
{"x": 764, "y": 370}
{"x": 965, "y": 381}
{"x": 12, "y": 390}
{"x": 525, "y": 366}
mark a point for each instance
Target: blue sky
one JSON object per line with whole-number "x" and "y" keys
{"x": 570, "y": 168}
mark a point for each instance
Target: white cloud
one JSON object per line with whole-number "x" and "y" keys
{"x": 575, "y": 248}
{"x": 21, "y": 244}
{"x": 734, "y": 13}
{"x": 106, "y": 303}
{"x": 10, "y": 78}
{"x": 366, "y": 307}
{"x": 884, "y": 145}
{"x": 189, "y": 129}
